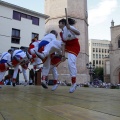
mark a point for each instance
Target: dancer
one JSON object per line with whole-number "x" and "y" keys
{"x": 72, "y": 47}
{"x": 19, "y": 58}
{"x": 47, "y": 39}
{"x": 5, "y": 63}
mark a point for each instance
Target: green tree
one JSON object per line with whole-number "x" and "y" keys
{"x": 99, "y": 73}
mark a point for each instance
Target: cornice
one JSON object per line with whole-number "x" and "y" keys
{"x": 6, "y": 4}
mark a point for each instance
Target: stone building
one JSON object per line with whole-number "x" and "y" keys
{"x": 115, "y": 54}
{"x": 106, "y": 68}
{"x": 76, "y": 9}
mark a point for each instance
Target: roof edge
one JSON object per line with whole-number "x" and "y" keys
{"x": 23, "y": 9}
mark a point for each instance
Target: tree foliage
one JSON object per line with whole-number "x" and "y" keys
{"x": 98, "y": 73}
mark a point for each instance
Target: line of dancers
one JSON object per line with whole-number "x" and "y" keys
{"x": 48, "y": 51}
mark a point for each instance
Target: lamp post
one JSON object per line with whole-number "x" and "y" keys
{"x": 91, "y": 70}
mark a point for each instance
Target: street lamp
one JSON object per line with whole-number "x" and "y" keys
{"x": 91, "y": 70}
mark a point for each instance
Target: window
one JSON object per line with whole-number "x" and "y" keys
{"x": 96, "y": 49}
{"x": 93, "y": 55}
{"x": 34, "y": 35}
{"x": 96, "y": 55}
{"x": 99, "y": 50}
{"x": 96, "y": 61}
{"x": 23, "y": 15}
{"x": 99, "y": 62}
{"x": 15, "y": 36}
{"x": 35, "y": 20}
{"x": 102, "y": 50}
{"x": 105, "y": 50}
{"x": 99, "y": 55}
{"x": 29, "y": 17}
{"x": 93, "y": 49}
{"x": 93, "y": 62}
{"x": 16, "y": 15}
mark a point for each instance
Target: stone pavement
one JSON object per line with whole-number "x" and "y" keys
{"x": 36, "y": 103}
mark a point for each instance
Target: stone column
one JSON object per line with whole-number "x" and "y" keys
{"x": 77, "y": 9}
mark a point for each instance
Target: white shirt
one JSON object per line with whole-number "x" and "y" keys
{"x": 49, "y": 37}
{"x": 36, "y": 43}
{"x": 20, "y": 53}
{"x": 67, "y": 34}
{"x": 6, "y": 56}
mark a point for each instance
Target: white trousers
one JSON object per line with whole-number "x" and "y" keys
{"x": 36, "y": 63}
{"x": 72, "y": 64}
{"x": 56, "y": 46}
{"x": 53, "y": 46}
{"x": 16, "y": 72}
{"x": 46, "y": 67}
{"x": 54, "y": 72}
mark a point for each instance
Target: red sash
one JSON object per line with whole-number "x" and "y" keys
{"x": 1, "y": 83}
{"x": 55, "y": 60}
{"x": 15, "y": 62}
{"x": 30, "y": 47}
{"x": 71, "y": 46}
{"x": 3, "y": 67}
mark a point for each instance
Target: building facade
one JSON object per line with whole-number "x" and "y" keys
{"x": 19, "y": 25}
{"x": 115, "y": 54}
{"x": 76, "y": 9}
{"x": 98, "y": 49}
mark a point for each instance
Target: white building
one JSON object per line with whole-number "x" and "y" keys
{"x": 19, "y": 25}
{"x": 98, "y": 49}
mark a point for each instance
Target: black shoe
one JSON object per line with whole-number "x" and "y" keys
{"x": 13, "y": 84}
{"x": 44, "y": 85}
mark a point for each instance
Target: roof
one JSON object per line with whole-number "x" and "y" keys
{"x": 23, "y": 9}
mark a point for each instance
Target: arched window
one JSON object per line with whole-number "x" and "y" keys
{"x": 119, "y": 42}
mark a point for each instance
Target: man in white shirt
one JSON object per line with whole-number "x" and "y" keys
{"x": 5, "y": 63}
{"x": 19, "y": 58}
{"x": 47, "y": 39}
{"x": 35, "y": 61}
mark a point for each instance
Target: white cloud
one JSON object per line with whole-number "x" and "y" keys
{"x": 100, "y": 13}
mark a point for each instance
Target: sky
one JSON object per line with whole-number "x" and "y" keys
{"x": 100, "y": 15}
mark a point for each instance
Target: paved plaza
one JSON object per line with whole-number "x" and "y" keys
{"x": 36, "y": 103}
